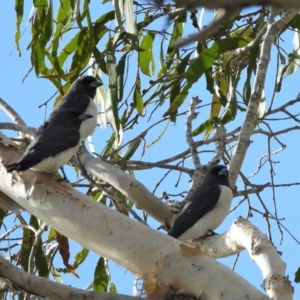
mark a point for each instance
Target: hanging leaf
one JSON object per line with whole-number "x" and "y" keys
{"x": 101, "y": 278}
{"x": 19, "y": 8}
{"x": 80, "y": 257}
{"x": 146, "y": 59}
{"x": 137, "y": 96}
{"x": 202, "y": 63}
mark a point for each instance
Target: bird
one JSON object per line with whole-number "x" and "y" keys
{"x": 80, "y": 96}
{"x": 207, "y": 207}
{"x": 54, "y": 144}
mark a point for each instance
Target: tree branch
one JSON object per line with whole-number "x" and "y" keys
{"x": 39, "y": 286}
{"x": 216, "y": 4}
{"x": 172, "y": 265}
{"x": 244, "y": 235}
{"x": 251, "y": 115}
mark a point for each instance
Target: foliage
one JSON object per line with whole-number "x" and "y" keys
{"x": 128, "y": 45}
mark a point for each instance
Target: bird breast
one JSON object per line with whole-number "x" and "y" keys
{"x": 52, "y": 163}
{"x": 88, "y": 126}
{"x": 212, "y": 219}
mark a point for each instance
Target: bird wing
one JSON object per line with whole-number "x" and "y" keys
{"x": 79, "y": 101}
{"x": 49, "y": 142}
{"x": 203, "y": 200}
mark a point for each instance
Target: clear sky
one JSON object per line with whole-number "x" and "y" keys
{"x": 25, "y": 97}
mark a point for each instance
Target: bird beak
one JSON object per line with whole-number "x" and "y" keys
{"x": 95, "y": 84}
{"x": 223, "y": 172}
{"x": 84, "y": 117}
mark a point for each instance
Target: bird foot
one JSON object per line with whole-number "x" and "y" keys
{"x": 211, "y": 233}
{"x": 64, "y": 178}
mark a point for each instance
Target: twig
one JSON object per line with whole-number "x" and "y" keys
{"x": 222, "y": 19}
{"x": 251, "y": 115}
{"x": 112, "y": 195}
{"x": 37, "y": 241}
{"x": 11, "y": 113}
{"x": 198, "y": 175}
{"x": 19, "y": 127}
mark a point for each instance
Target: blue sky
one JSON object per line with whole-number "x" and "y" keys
{"x": 25, "y": 97}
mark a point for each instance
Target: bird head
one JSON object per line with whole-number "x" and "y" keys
{"x": 217, "y": 174}
{"x": 87, "y": 84}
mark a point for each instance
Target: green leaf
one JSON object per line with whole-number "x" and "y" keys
{"x": 279, "y": 77}
{"x": 202, "y": 63}
{"x": 203, "y": 127}
{"x": 112, "y": 96}
{"x": 63, "y": 13}
{"x": 109, "y": 16}
{"x": 80, "y": 257}
{"x": 19, "y": 8}
{"x": 40, "y": 259}
{"x": 159, "y": 137}
{"x": 146, "y": 58}
{"x": 230, "y": 112}
{"x": 247, "y": 85}
{"x": 172, "y": 49}
{"x": 41, "y": 262}
{"x": 218, "y": 99}
{"x": 37, "y": 58}
{"x": 112, "y": 288}
{"x": 69, "y": 49}
{"x": 108, "y": 148}
{"x": 132, "y": 147}
{"x": 3, "y": 213}
{"x": 101, "y": 278}
{"x": 295, "y": 22}
{"x": 56, "y": 275}
{"x": 209, "y": 80}
{"x": 297, "y": 276}
{"x": 26, "y": 247}
{"x": 51, "y": 234}
{"x": 120, "y": 75}
{"x": 137, "y": 96}
{"x": 83, "y": 52}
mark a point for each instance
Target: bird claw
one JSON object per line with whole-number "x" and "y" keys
{"x": 210, "y": 233}
{"x": 64, "y": 179}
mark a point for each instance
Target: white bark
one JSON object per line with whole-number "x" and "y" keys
{"x": 243, "y": 235}
{"x": 17, "y": 279}
{"x": 227, "y": 4}
{"x": 170, "y": 264}
{"x": 130, "y": 187}
{"x": 273, "y": 28}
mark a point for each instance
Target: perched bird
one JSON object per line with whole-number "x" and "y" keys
{"x": 54, "y": 144}
{"x": 207, "y": 207}
{"x": 80, "y": 96}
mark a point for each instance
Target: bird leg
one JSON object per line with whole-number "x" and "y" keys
{"x": 64, "y": 175}
{"x": 210, "y": 233}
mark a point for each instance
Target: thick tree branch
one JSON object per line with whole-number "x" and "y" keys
{"x": 216, "y": 4}
{"x": 18, "y": 127}
{"x": 243, "y": 235}
{"x": 172, "y": 265}
{"x": 127, "y": 185}
{"x": 251, "y": 115}
{"x": 20, "y": 280}
{"x": 11, "y": 113}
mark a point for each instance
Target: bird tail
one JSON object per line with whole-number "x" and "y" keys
{"x": 12, "y": 167}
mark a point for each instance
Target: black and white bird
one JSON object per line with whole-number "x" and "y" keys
{"x": 207, "y": 207}
{"x": 81, "y": 96}
{"x": 54, "y": 144}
